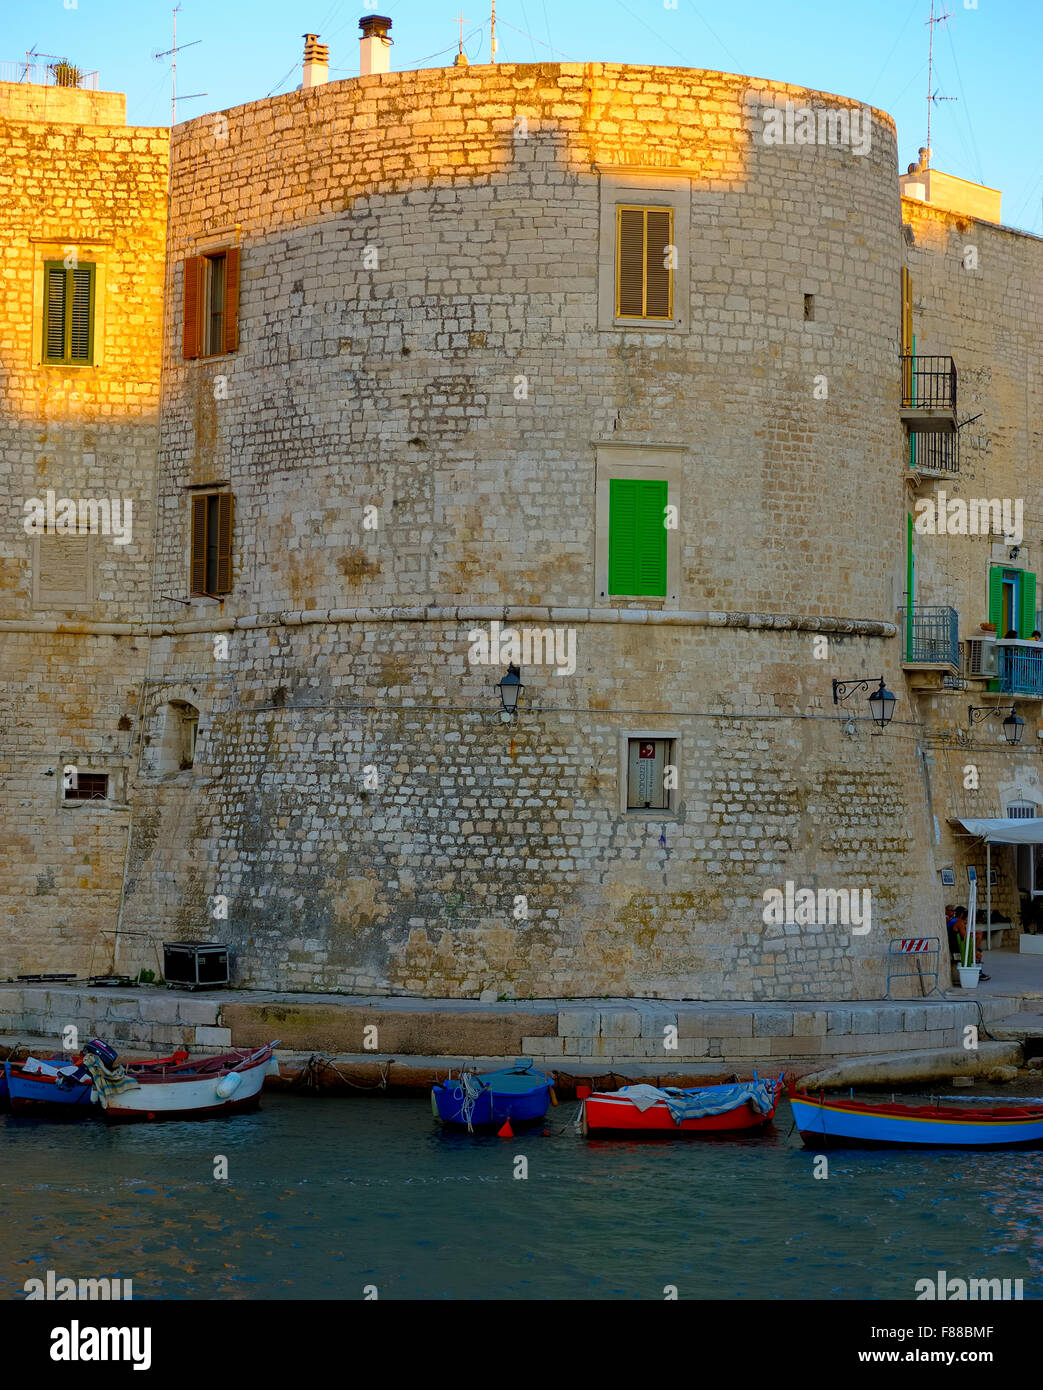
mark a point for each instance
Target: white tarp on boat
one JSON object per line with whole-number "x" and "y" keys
{"x": 1006, "y": 832}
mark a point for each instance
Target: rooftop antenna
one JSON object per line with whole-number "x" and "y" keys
{"x": 461, "y": 58}
{"x": 492, "y": 34}
{"x": 932, "y": 96}
{"x": 29, "y": 55}
{"x": 172, "y": 53}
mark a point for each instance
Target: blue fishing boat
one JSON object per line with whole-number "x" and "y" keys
{"x": 58, "y": 1083}
{"x": 520, "y": 1094}
{"x": 831, "y": 1123}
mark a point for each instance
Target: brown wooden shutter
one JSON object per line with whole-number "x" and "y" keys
{"x": 231, "y": 322}
{"x": 224, "y": 543}
{"x": 197, "y": 577}
{"x": 630, "y": 263}
{"x": 657, "y": 273}
{"x": 192, "y": 331}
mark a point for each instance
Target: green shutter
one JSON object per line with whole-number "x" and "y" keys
{"x": 996, "y": 597}
{"x": 637, "y": 537}
{"x": 68, "y": 313}
{"x": 1027, "y": 605}
{"x": 54, "y": 313}
{"x": 622, "y": 536}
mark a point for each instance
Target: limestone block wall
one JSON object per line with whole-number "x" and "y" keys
{"x": 76, "y": 183}
{"x": 977, "y": 297}
{"x": 424, "y": 264}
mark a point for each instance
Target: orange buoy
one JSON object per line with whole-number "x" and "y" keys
{"x": 553, "y": 1097}
{"x": 505, "y": 1131}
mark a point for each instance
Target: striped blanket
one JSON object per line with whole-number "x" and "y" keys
{"x": 107, "y": 1083}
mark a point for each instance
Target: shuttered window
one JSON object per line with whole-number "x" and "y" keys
{"x": 68, "y": 314}
{"x": 210, "y": 564}
{"x": 644, "y": 270}
{"x": 637, "y": 537}
{"x": 211, "y": 304}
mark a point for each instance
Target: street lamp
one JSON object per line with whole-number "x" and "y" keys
{"x": 510, "y": 688}
{"x": 881, "y": 702}
{"x": 1013, "y": 725}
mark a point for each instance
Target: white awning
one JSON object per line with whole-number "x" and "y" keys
{"x": 1005, "y": 832}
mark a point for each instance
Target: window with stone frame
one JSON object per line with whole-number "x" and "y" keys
{"x": 651, "y": 774}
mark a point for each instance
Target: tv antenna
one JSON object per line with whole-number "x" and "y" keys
{"x": 172, "y": 53}
{"x": 932, "y": 95}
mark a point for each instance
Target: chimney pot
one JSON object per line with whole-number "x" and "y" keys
{"x": 374, "y": 45}
{"x": 316, "y": 62}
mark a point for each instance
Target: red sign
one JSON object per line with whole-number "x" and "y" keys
{"x": 646, "y": 750}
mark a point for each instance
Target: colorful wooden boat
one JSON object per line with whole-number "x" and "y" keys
{"x": 825, "y": 1124}
{"x": 206, "y": 1088}
{"x": 61, "y": 1085}
{"x": 737, "y": 1108}
{"x": 520, "y": 1094}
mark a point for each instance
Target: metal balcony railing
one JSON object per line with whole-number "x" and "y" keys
{"x": 928, "y": 382}
{"x": 43, "y": 73}
{"x": 935, "y": 453}
{"x": 932, "y": 636}
{"x": 1020, "y": 667}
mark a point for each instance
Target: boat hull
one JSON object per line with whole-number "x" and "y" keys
{"x": 37, "y": 1093}
{"x": 825, "y": 1124}
{"x": 191, "y": 1093}
{"x": 522, "y": 1098}
{"x": 608, "y": 1114}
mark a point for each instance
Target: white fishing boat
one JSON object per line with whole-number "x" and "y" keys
{"x": 204, "y": 1088}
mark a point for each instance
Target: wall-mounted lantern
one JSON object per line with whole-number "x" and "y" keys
{"x": 510, "y": 688}
{"x": 1013, "y": 725}
{"x": 881, "y": 702}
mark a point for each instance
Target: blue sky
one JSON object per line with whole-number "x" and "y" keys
{"x": 986, "y": 55}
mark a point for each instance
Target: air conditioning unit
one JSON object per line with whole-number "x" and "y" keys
{"x": 981, "y": 656}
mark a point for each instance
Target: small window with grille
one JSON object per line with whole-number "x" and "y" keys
{"x": 86, "y": 786}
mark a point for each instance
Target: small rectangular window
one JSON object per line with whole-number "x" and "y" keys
{"x": 649, "y": 763}
{"x": 87, "y": 786}
{"x": 211, "y": 544}
{"x": 68, "y": 314}
{"x": 644, "y": 262}
{"x": 637, "y": 537}
{"x": 211, "y": 304}
{"x": 809, "y": 308}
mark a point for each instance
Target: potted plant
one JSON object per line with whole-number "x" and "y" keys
{"x": 65, "y": 74}
{"x": 969, "y": 971}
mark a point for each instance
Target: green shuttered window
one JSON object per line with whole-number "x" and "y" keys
{"x": 68, "y": 314}
{"x": 637, "y": 537}
{"x": 644, "y": 277}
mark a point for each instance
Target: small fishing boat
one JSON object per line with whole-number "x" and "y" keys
{"x": 825, "y": 1124}
{"x": 520, "y": 1094}
{"x": 743, "y": 1107}
{"x": 61, "y": 1084}
{"x": 206, "y": 1088}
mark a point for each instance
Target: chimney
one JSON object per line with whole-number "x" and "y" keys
{"x": 374, "y": 45}
{"x": 316, "y": 62}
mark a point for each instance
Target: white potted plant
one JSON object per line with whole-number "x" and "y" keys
{"x": 969, "y": 971}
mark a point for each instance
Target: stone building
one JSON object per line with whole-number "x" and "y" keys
{"x": 82, "y": 225}
{"x": 606, "y": 358}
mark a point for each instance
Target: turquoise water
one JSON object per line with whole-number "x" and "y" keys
{"x": 325, "y": 1197}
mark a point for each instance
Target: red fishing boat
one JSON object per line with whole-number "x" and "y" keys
{"x": 736, "y": 1108}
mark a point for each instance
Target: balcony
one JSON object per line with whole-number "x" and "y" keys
{"x": 928, "y": 394}
{"x": 1020, "y": 668}
{"x": 934, "y": 455}
{"x": 932, "y": 646}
